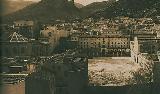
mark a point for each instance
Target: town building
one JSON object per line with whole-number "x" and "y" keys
{"x": 54, "y": 35}
{"x": 20, "y": 46}
{"x": 111, "y": 45}
{"x": 24, "y": 27}
{"x": 27, "y": 28}
{"x": 145, "y": 52}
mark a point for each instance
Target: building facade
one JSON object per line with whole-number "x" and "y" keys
{"x": 109, "y": 45}
{"x": 21, "y": 46}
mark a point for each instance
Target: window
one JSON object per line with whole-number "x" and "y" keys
{"x": 6, "y": 51}
{"x": 103, "y": 46}
{"x": 66, "y": 74}
{"x": 15, "y": 50}
{"x": 87, "y": 46}
{"x": 99, "y": 45}
{"x": 59, "y": 67}
{"x": 49, "y": 34}
{"x": 23, "y": 50}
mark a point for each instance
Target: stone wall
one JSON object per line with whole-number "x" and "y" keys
{"x": 156, "y": 72}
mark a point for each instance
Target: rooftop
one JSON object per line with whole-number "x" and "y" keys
{"x": 15, "y": 37}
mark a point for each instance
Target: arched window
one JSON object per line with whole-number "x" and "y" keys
{"x": 49, "y": 34}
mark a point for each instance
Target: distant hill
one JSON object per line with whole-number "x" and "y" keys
{"x": 46, "y": 10}
{"x": 13, "y": 6}
{"x": 130, "y": 8}
{"x": 50, "y": 10}
{"x": 96, "y": 6}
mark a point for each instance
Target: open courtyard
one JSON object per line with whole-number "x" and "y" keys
{"x": 113, "y": 71}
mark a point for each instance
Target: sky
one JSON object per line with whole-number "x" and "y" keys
{"x": 84, "y": 2}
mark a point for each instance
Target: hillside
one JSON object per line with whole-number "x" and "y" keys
{"x": 46, "y": 10}
{"x": 131, "y": 8}
{"x": 50, "y": 10}
{"x": 96, "y": 6}
{"x": 13, "y": 6}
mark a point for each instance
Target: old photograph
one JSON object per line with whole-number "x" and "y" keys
{"x": 80, "y": 47}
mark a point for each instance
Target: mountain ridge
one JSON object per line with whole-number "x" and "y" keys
{"x": 13, "y": 6}
{"x": 130, "y": 8}
{"x": 49, "y": 10}
{"x": 46, "y": 10}
{"x": 96, "y": 6}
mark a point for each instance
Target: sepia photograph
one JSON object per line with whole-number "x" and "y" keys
{"x": 80, "y": 47}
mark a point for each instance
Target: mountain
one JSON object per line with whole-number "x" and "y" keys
{"x": 13, "y": 6}
{"x": 96, "y": 6}
{"x": 130, "y": 8}
{"x": 46, "y": 10}
{"x": 78, "y": 5}
{"x": 50, "y": 10}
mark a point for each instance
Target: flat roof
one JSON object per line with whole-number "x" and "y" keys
{"x": 14, "y": 74}
{"x": 104, "y": 36}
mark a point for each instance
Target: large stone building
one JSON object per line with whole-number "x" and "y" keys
{"x": 22, "y": 47}
{"x": 144, "y": 51}
{"x": 54, "y": 35}
{"x": 27, "y": 28}
{"x": 23, "y": 23}
{"x": 24, "y": 27}
{"x": 103, "y": 45}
